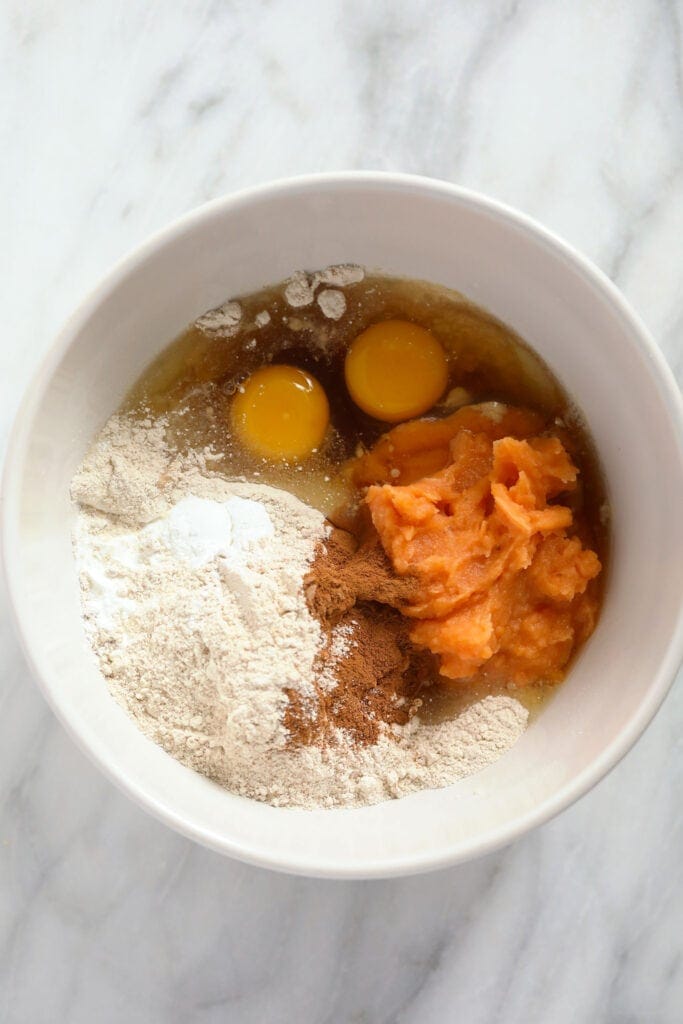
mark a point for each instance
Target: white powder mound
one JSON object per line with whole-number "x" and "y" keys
{"x": 339, "y": 275}
{"x": 222, "y": 322}
{"x": 301, "y": 287}
{"x": 332, "y": 303}
{"x": 193, "y": 604}
{"x": 299, "y": 290}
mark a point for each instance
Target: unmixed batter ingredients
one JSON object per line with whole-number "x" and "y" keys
{"x": 341, "y": 538}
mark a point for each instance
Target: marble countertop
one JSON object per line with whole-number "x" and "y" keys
{"x": 122, "y": 116}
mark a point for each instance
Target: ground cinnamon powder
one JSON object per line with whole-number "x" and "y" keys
{"x": 368, "y": 671}
{"x": 346, "y": 573}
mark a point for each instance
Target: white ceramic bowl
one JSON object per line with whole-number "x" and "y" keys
{"x": 562, "y": 306}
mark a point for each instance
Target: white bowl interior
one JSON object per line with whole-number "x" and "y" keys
{"x": 560, "y": 307}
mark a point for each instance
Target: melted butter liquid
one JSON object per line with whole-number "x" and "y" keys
{"x": 444, "y": 702}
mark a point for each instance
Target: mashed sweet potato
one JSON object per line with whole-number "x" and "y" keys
{"x": 503, "y": 585}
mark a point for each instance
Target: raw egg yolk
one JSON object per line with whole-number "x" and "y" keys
{"x": 281, "y": 412}
{"x": 395, "y": 370}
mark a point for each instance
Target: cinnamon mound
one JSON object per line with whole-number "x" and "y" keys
{"x": 345, "y": 574}
{"x": 369, "y": 671}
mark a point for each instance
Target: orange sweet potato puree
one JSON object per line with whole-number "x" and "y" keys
{"x": 472, "y": 512}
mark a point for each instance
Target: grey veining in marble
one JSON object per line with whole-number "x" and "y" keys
{"x": 118, "y": 117}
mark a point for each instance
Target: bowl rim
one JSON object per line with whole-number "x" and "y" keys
{"x": 490, "y": 840}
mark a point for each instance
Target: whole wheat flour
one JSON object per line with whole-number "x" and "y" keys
{"x": 193, "y": 601}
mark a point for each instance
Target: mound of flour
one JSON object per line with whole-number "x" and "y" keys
{"x": 193, "y": 604}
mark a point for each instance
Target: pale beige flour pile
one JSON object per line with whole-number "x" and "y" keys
{"x": 201, "y": 652}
